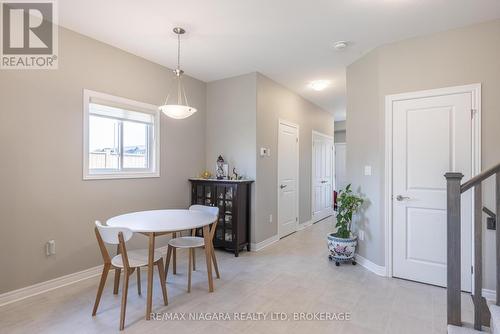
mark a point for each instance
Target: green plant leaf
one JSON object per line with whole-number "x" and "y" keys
{"x": 347, "y": 204}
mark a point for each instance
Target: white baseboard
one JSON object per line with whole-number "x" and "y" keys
{"x": 59, "y": 282}
{"x": 36, "y": 289}
{"x": 316, "y": 219}
{"x": 305, "y": 225}
{"x": 254, "y": 247}
{"x": 374, "y": 268}
{"x": 490, "y": 295}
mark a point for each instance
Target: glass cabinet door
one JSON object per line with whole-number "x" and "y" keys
{"x": 221, "y": 195}
{"x": 225, "y": 196}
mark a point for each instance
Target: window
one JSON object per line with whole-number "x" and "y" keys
{"x": 121, "y": 137}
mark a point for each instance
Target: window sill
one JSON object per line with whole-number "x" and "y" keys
{"x": 114, "y": 176}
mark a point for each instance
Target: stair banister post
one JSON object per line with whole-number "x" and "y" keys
{"x": 453, "y": 273}
{"x": 497, "y": 233}
{"x": 478, "y": 256}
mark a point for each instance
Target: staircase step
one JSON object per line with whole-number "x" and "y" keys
{"x": 462, "y": 330}
{"x": 495, "y": 318}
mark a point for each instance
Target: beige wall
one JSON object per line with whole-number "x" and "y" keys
{"x": 457, "y": 57}
{"x": 275, "y": 102}
{"x": 40, "y": 116}
{"x": 365, "y": 147}
{"x": 231, "y": 126}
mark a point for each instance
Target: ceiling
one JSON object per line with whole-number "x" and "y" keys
{"x": 289, "y": 41}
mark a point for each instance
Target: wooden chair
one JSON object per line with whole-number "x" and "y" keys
{"x": 191, "y": 243}
{"x": 128, "y": 261}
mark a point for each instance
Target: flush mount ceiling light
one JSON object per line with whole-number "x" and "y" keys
{"x": 181, "y": 109}
{"x": 319, "y": 85}
{"x": 340, "y": 45}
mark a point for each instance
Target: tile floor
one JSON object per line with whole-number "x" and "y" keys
{"x": 292, "y": 275}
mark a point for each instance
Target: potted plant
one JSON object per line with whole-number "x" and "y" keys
{"x": 342, "y": 243}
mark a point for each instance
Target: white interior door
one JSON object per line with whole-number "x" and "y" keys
{"x": 288, "y": 163}
{"x": 431, "y": 136}
{"x": 322, "y": 176}
{"x": 340, "y": 165}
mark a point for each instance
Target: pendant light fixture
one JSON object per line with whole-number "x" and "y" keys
{"x": 181, "y": 109}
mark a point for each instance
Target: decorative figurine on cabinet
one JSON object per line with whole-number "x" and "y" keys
{"x": 219, "y": 168}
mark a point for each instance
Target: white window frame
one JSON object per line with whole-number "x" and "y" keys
{"x": 154, "y": 151}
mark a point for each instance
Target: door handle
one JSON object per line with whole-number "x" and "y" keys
{"x": 324, "y": 181}
{"x": 283, "y": 186}
{"x": 402, "y": 198}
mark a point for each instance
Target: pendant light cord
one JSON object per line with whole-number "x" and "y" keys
{"x": 178, "y": 51}
{"x": 181, "y": 92}
{"x": 179, "y": 85}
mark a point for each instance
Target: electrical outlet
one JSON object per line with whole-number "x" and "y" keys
{"x": 50, "y": 248}
{"x": 361, "y": 235}
{"x": 270, "y": 218}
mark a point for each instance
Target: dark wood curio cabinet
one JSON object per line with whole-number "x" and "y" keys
{"x": 232, "y": 197}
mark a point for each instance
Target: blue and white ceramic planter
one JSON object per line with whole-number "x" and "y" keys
{"x": 342, "y": 250}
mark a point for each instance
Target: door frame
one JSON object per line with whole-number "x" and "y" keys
{"x": 317, "y": 133}
{"x": 475, "y": 91}
{"x": 294, "y": 125}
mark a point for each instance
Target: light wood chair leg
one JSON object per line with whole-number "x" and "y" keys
{"x": 208, "y": 257}
{"x": 117, "y": 281}
{"x": 124, "y": 299}
{"x": 174, "y": 262}
{"x": 117, "y": 274}
{"x": 167, "y": 262}
{"x": 104, "y": 276}
{"x": 193, "y": 234}
{"x": 151, "y": 250}
{"x": 216, "y": 267}
{"x": 174, "y": 253}
{"x": 161, "y": 271}
{"x": 194, "y": 259}
{"x": 190, "y": 266}
{"x": 139, "y": 281}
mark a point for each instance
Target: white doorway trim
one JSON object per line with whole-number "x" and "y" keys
{"x": 294, "y": 125}
{"x": 334, "y": 185}
{"x": 475, "y": 91}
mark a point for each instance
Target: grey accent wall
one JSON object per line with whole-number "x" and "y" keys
{"x": 340, "y": 136}
{"x": 231, "y": 126}
{"x": 42, "y": 193}
{"x": 340, "y": 132}
{"x": 457, "y": 57}
{"x": 231, "y": 123}
{"x": 276, "y": 102}
{"x": 340, "y": 126}
{"x": 242, "y": 116}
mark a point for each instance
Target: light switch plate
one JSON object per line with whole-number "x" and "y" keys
{"x": 368, "y": 170}
{"x": 264, "y": 151}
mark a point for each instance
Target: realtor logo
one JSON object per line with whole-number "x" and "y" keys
{"x": 29, "y": 35}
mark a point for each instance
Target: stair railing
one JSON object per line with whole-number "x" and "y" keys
{"x": 453, "y": 202}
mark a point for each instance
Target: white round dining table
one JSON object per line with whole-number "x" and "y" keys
{"x": 155, "y": 223}
{"x": 162, "y": 221}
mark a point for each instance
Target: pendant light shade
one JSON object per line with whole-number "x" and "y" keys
{"x": 181, "y": 109}
{"x": 177, "y": 111}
